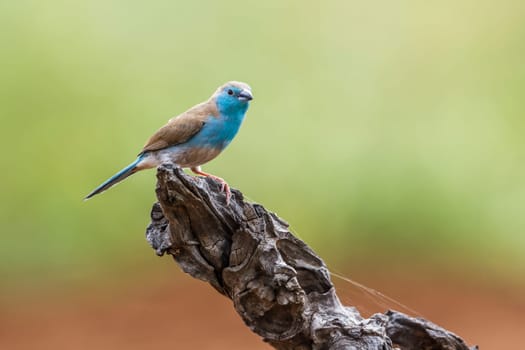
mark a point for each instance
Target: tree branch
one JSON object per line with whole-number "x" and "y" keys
{"x": 279, "y": 286}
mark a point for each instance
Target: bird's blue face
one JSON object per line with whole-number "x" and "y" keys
{"x": 233, "y": 98}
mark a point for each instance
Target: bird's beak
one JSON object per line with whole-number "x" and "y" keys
{"x": 245, "y": 95}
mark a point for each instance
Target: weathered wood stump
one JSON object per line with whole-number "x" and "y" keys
{"x": 279, "y": 286}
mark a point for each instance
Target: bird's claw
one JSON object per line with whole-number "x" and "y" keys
{"x": 224, "y": 187}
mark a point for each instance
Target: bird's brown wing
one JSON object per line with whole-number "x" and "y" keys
{"x": 180, "y": 129}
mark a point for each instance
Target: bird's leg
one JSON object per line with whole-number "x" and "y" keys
{"x": 224, "y": 186}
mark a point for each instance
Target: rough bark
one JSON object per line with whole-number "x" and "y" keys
{"x": 279, "y": 286}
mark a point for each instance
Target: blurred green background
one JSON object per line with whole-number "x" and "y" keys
{"x": 385, "y": 128}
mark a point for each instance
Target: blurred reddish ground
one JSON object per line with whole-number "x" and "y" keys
{"x": 182, "y": 313}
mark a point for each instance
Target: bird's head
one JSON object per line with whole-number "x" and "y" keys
{"x": 233, "y": 96}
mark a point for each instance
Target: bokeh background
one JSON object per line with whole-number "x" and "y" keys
{"x": 390, "y": 134}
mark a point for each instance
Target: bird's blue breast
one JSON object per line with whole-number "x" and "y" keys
{"x": 218, "y": 132}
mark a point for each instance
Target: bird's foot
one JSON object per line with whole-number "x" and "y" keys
{"x": 224, "y": 186}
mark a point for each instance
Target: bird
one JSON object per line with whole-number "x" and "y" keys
{"x": 194, "y": 137}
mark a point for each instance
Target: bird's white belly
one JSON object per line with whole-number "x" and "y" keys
{"x": 186, "y": 157}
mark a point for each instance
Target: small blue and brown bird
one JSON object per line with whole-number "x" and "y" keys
{"x": 193, "y": 138}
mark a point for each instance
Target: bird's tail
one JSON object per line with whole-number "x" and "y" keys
{"x": 115, "y": 179}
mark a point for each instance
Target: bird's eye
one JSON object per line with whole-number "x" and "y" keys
{"x": 230, "y": 92}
